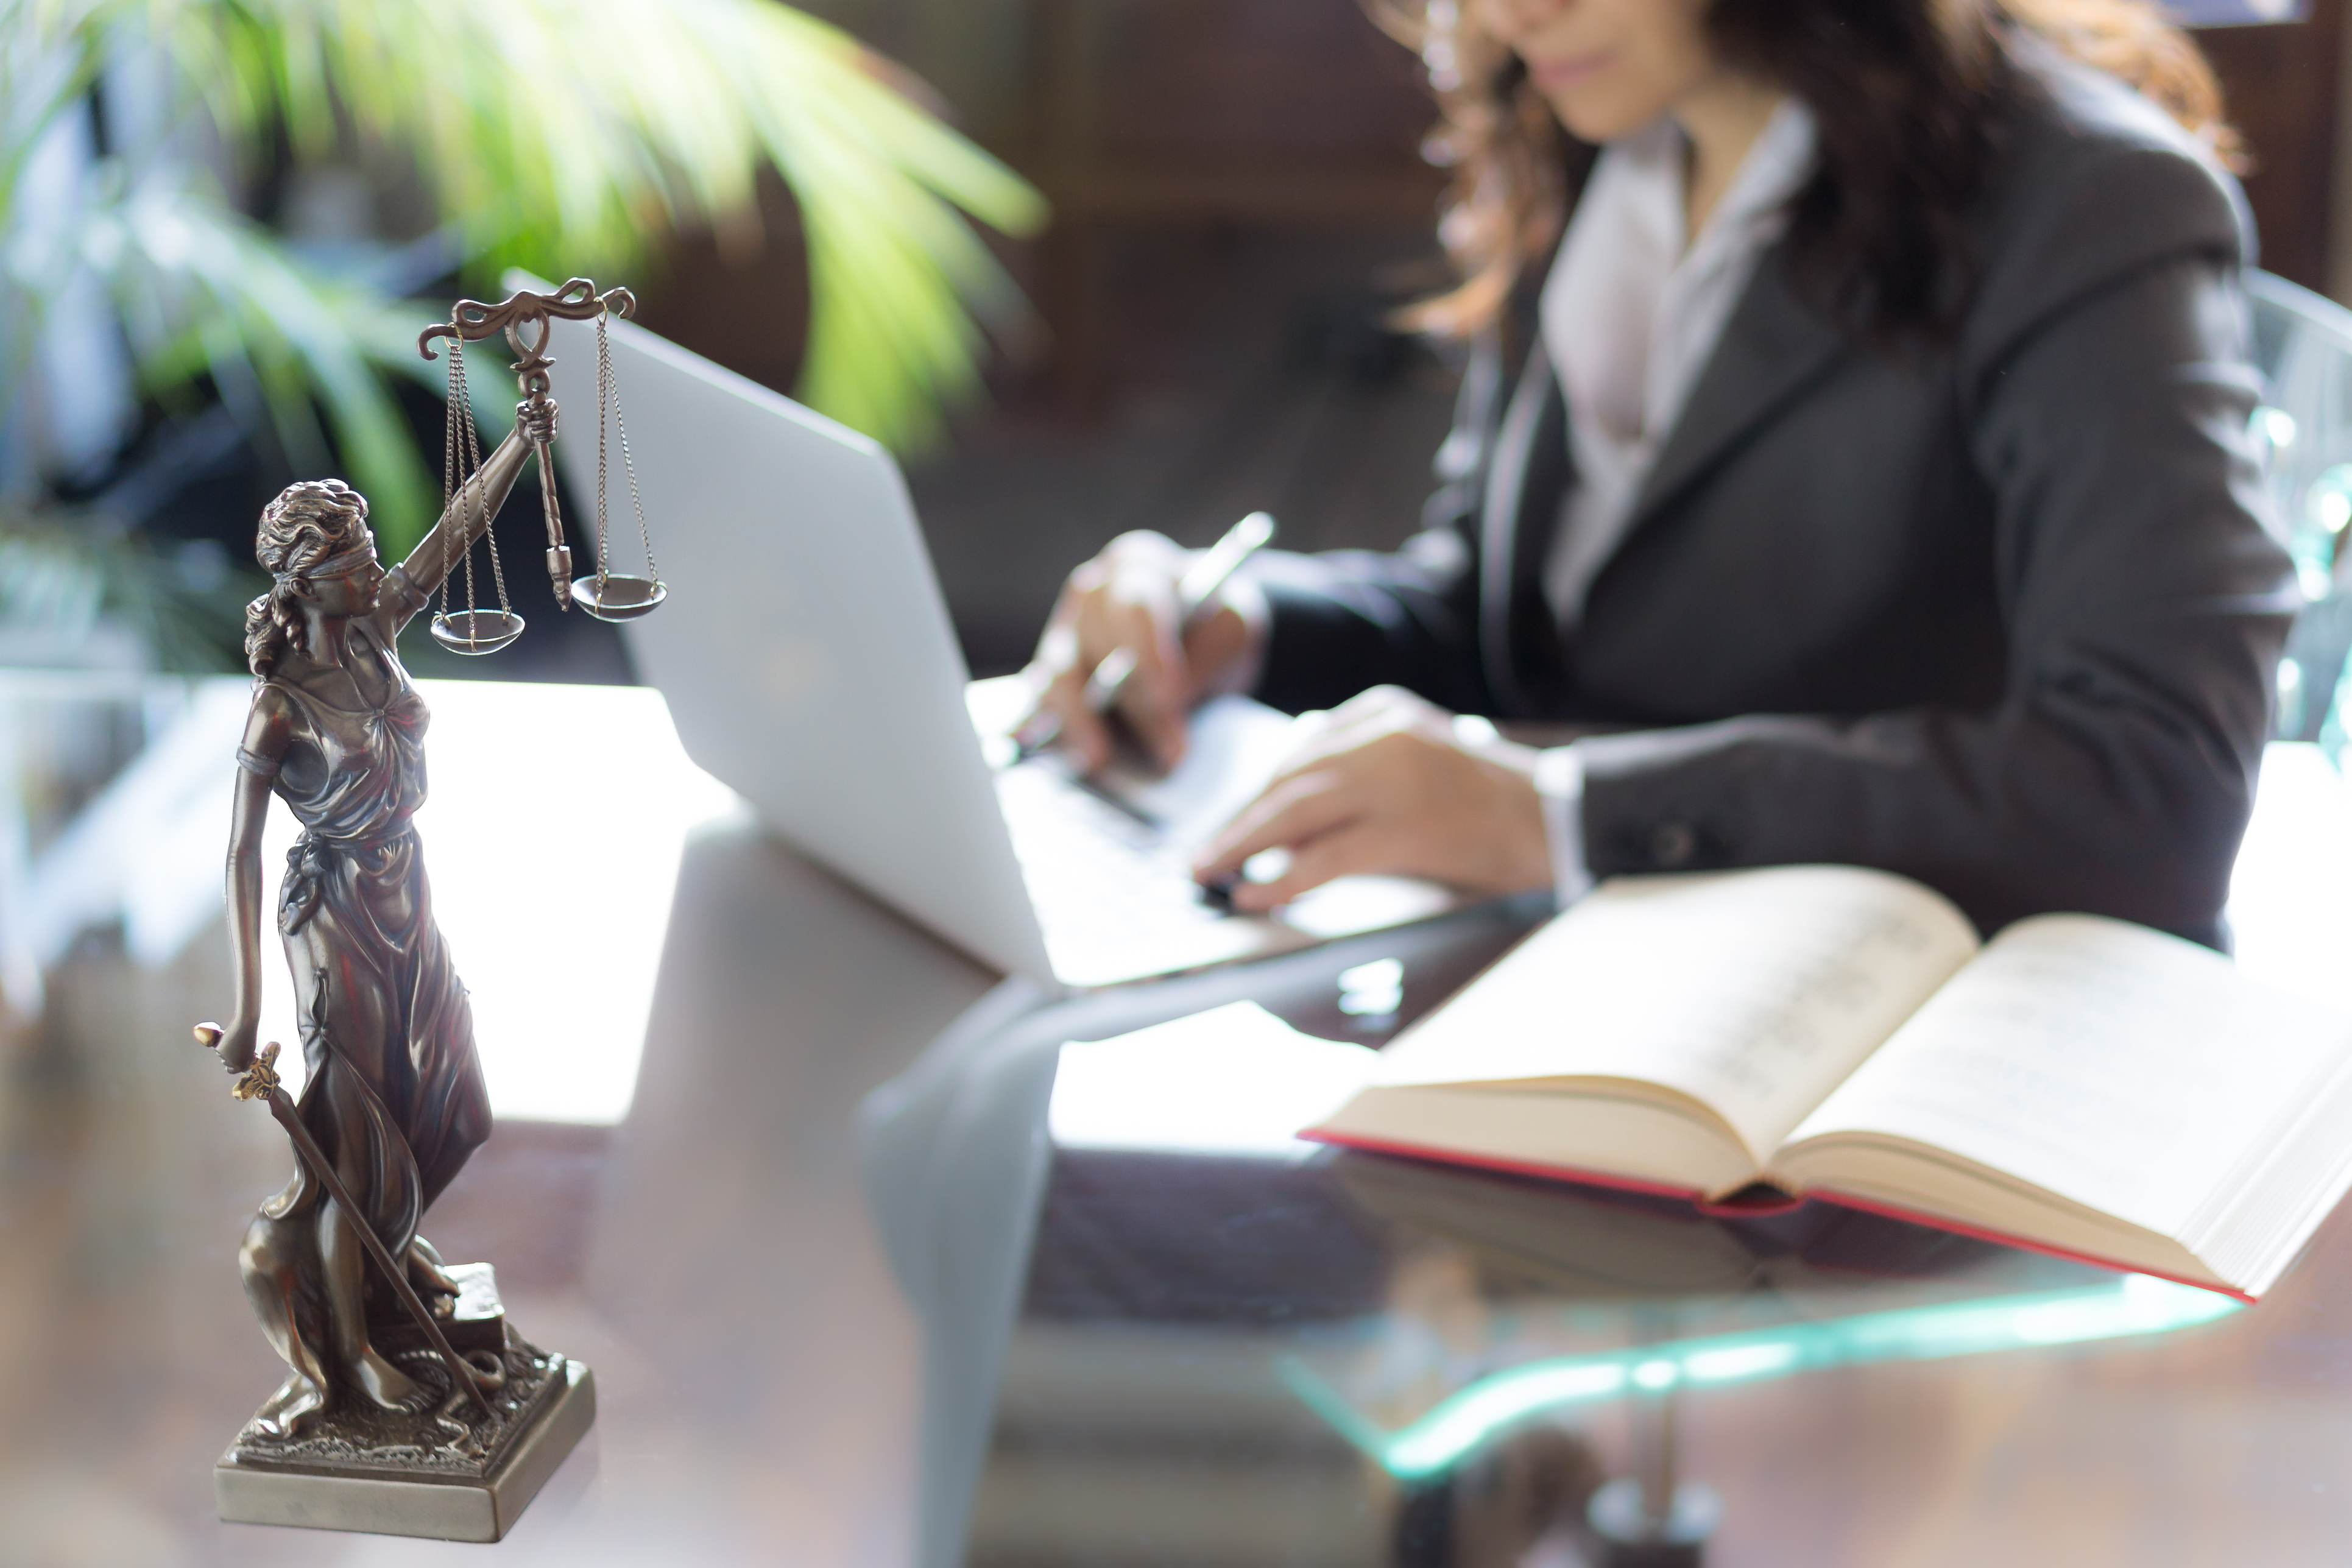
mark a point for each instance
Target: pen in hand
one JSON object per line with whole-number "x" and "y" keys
{"x": 1195, "y": 591}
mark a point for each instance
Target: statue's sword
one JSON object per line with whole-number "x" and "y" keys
{"x": 260, "y": 1081}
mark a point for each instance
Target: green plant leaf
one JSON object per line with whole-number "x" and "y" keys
{"x": 564, "y": 137}
{"x": 273, "y": 334}
{"x": 65, "y": 570}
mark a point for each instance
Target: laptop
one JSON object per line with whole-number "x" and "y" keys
{"x": 807, "y": 659}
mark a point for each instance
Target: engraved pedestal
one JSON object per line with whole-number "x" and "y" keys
{"x": 444, "y": 1473}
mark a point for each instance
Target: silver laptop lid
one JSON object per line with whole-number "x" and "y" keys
{"x": 806, "y": 651}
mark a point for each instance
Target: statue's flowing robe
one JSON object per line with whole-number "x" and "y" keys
{"x": 387, "y": 1034}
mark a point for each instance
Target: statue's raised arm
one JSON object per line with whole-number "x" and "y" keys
{"x": 469, "y": 512}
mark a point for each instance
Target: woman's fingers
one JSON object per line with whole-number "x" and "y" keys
{"x": 1320, "y": 817}
{"x": 1343, "y": 852}
{"x": 233, "y": 1044}
{"x": 1121, "y": 607}
{"x": 1287, "y": 815}
{"x": 1087, "y": 639}
{"x": 1061, "y": 716}
{"x": 1385, "y": 785}
{"x": 1156, "y": 693}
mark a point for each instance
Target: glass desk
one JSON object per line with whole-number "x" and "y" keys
{"x": 1294, "y": 1357}
{"x": 692, "y": 1224}
{"x": 1358, "y": 1359}
{"x": 1141, "y": 1354}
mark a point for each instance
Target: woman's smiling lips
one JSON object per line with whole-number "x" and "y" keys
{"x": 1566, "y": 71}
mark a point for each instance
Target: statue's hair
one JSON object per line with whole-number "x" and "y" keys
{"x": 310, "y": 521}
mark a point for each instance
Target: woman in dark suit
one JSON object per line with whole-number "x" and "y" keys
{"x": 1853, "y": 451}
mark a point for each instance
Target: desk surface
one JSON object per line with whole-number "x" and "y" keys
{"x": 1359, "y": 1361}
{"x": 1332, "y": 1358}
{"x": 709, "y": 1256}
{"x": 759, "y": 1367}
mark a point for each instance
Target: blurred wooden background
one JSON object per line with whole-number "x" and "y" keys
{"x": 1239, "y": 198}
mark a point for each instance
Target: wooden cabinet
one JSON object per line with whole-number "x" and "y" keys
{"x": 1167, "y": 121}
{"x": 2281, "y": 81}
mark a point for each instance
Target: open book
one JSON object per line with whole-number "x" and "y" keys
{"x": 2079, "y": 1085}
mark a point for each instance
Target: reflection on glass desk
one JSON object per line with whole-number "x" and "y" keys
{"x": 1332, "y": 1360}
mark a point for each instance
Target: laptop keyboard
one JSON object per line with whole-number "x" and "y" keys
{"x": 1087, "y": 861}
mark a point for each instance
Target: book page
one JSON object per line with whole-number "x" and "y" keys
{"x": 1755, "y": 993}
{"x": 2117, "y": 1066}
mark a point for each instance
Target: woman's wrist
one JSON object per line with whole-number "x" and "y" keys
{"x": 1225, "y": 649}
{"x": 1519, "y": 856}
{"x": 1527, "y": 837}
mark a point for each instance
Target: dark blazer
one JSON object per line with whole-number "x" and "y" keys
{"x": 2000, "y": 614}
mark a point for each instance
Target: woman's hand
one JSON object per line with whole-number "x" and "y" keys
{"x": 1387, "y": 785}
{"x": 1126, "y": 597}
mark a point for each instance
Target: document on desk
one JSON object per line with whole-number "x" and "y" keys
{"x": 2080, "y": 1085}
{"x": 1232, "y": 747}
{"x": 1236, "y": 747}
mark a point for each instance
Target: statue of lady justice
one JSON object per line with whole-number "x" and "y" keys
{"x": 394, "y": 1097}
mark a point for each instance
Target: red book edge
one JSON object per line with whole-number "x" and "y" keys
{"x": 1697, "y": 1200}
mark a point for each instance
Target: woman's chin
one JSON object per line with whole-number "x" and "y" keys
{"x": 1595, "y": 115}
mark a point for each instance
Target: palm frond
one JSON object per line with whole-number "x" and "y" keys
{"x": 66, "y": 573}
{"x": 562, "y": 135}
{"x": 202, "y": 290}
{"x": 565, "y": 137}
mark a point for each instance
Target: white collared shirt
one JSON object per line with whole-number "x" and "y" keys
{"x": 1630, "y": 315}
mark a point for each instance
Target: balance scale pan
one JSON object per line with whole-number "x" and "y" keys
{"x": 477, "y": 631}
{"x": 618, "y": 598}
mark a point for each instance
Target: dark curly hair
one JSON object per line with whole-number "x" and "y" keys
{"x": 1902, "y": 92}
{"x": 310, "y": 521}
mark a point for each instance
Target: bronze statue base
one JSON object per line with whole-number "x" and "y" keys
{"x": 443, "y": 1472}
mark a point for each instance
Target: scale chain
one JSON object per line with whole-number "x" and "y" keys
{"x": 462, "y": 416}
{"x": 474, "y": 460}
{"x": 467, "y": 464}
{"x": 449, "y": 483}
{"x": 609, "y": 388}
{"x": 604, "y": 398}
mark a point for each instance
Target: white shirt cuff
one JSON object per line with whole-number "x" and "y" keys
{"x": 1560, "y": 783}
